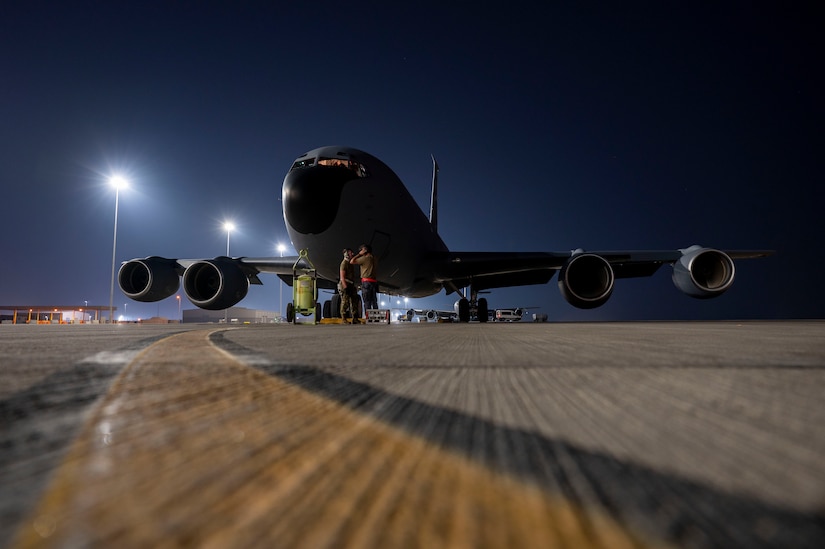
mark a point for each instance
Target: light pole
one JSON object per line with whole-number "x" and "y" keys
{"x": 178, "y": 298}
{"x": 281, "y": 250}
{"x": 228, "y": 227}
{"x": 118, "y": 182}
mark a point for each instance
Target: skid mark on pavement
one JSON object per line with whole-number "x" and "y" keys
{"x": 191, "y": 447}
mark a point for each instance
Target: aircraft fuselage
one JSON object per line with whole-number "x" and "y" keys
{"x": 327, "y": 187}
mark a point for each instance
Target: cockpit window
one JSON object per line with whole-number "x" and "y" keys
{"x": 304, "y": 163}
{"x": 349, "y": 163}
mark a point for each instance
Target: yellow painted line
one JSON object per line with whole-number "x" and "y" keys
{"x": 192, "y": 448}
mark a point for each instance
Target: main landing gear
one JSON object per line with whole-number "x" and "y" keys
{"x": 472, "y": 309}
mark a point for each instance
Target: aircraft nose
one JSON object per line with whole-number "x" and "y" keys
{"x": 311, "y": 197}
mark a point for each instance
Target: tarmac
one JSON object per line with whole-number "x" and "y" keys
{"x": 660, "y": 434}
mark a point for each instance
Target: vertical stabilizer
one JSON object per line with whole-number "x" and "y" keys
{"x": 434, "y": 198}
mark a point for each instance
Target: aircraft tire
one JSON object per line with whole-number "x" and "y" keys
{"x": 290, "y": 312}
{"x": 335, "y": 306}
{"x": 463, "y": 310}
{"x": 483, "y": 311}
{"x": 327, "y": 309}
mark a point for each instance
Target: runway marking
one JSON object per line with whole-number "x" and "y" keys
{"x": 193, "y": 447}
{"x": 111, "y": 357}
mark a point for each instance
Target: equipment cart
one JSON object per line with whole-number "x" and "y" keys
{"x": 304, "y": 292}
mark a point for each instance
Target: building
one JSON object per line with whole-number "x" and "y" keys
{"x": 54, "y": 314}
{"x": 233, "y": 315}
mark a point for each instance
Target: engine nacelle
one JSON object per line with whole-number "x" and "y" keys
{"x": 703, "y": 272}
{"x": 586, "y": 281}
{"x": 150, "y": 279}
{"x": 215, "y": 284}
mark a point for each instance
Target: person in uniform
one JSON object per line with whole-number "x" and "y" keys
{"x": 346, "y": 287}
{"x": 369, "y": 273}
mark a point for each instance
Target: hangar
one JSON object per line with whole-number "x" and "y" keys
{"x": 233, "y": 315}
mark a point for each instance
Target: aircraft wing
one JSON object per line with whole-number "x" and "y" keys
{"x": 252, "y": 266}
{"x": 495, "y": 269}
{"x": 585, "y": 277}
{"x": 154, "y": 278}
{"x": 281, "y": 266}
{"x": 503, "y": 269}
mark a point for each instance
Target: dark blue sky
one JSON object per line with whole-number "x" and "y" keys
{"x": 602, "y": 125}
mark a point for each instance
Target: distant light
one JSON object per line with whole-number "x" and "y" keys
{"x": 118, "y": 182}
{"x": 228, "y": 226}
{"x": 281, "y": 248}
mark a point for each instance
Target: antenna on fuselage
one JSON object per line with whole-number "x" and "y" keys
{"x": 434, "y": 198}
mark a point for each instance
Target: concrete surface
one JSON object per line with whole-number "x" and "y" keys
{"x": 498, "y": 435}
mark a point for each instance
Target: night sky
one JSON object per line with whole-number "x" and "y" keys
{"x": 602, "y": 126}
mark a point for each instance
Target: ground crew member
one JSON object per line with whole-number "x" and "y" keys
{"x": 369, "y": 273}
{"x": 346, "y": 287}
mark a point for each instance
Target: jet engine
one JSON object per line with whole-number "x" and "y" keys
{"x": 703, "y": 272}
{"x": 586, "y": 281}
{"x": 215, "y": 284}
{"x": 150, "y": 279}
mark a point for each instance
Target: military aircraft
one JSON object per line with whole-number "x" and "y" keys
{"x": 430, "y": 315}
{"x": 335, "y": 196}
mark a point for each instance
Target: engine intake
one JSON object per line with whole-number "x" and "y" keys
{"x": 150, "y": 279}
{"x": 703, "y": 272}
{"x": 586, "y": 281}
{"x": 215, "y": 284}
